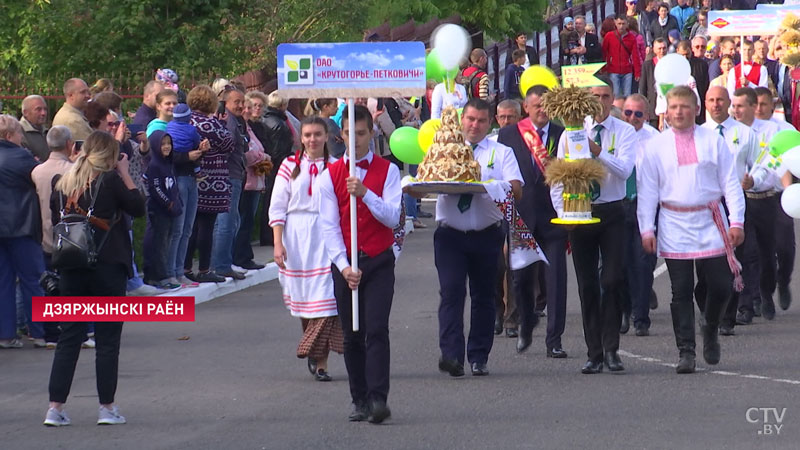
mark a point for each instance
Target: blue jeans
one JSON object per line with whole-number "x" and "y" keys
{"x": 225, "y": 229}
{"x": 20, "y": 258}
{"x": 621, "y": 84}
{"x": 411, "y": 202}
{"x": 182, "y": 226}
{"x": 136, "y": 281}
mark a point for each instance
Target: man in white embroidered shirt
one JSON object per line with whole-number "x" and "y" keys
{"x": 467, "y": 244}
{"x": 377, "y": 189}
{"x": 687, "y": 175}
{"x": 613, "y": 142}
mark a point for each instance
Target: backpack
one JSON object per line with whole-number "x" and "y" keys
{"x": 73, "y": 237}
{"x": 471, "y": 81}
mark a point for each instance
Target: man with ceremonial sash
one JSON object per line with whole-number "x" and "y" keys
{"x": 747, "y": 73}
{"x": 377, "y": 188}
{"x": 533, "y": 140}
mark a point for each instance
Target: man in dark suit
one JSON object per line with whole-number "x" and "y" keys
{"x": 699, "y": 70}
{"x": 534, "y": 142}
{"x": 647, "y": 83}
{"x": 590, "y": 47}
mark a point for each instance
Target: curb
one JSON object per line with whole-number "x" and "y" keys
{"x": 209, "y": 291}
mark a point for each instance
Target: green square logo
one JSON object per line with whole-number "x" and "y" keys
{"x": 305, "y": 64}
{"x": 298, "y": 69}
{"x": 292, "y": 76}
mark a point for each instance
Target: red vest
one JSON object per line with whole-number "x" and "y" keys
{"x": 373, "y": 237}
{"x": 754, "y": 76}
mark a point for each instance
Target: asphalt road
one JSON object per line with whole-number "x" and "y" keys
{"x": 237, "y": 384}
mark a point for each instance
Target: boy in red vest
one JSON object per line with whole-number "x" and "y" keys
{"x": 377, "y": 189}
{"x": 748, "y": 73}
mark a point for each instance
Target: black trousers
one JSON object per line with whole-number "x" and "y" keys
{"x": 202, "y": 238}
{"x": 460, "y": 255}
{"x": 248, "y": 207}
{"x": 155, "y": 246}
{"x": 366, "y": 352}
{"x": 104, "y": 280}
{"x": 602, "y": 313}
{"x": 716, "y": 277}
{"x": 759, "y": 262}
{"x": 552, "y": 280}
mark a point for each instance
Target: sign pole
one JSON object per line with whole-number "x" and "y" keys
{"x": 351, "y": 147}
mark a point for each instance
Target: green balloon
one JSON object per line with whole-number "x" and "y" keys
{"x": 434, "y": 70}
{"x": 782, "y": 141}
{"x": 404, "y": 144}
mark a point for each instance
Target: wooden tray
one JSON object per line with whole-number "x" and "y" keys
{"x": 446, "y": 187}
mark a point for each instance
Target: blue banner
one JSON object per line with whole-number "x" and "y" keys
{"x": 351, "y": 69}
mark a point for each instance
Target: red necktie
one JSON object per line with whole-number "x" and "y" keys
{"x": 313, "y": 171}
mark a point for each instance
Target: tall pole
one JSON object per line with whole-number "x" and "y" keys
{"x": 351, "y": 147}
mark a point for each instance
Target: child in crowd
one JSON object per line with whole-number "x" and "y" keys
{"x": 568, "y": 37}
{"x": 513, "y": 74}
{"x": 185, "y": 137}
{"x": 163, "y": 204}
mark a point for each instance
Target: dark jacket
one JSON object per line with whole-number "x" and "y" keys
{"x": 279, "y": 135}
{"x": 657, "y": 31}
{"x": 511, "y": 83}
{"x": 19, "y": 214}
{"x": 647, "y": 85}
{"x": 594, "y": 51}
{"x": 185, "y": 138}
{"x": 535, "y": 208}
{"x": 163, "y": 196}
{"x": 36, "y": 140}
{"x": 533, "y": 55}
{"x": 144, "y": 115}
{"x": 113, "y": 199}
{"x": 236, "y": 165}
{"x": 700, "y": 74}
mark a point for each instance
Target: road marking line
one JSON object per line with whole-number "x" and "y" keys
{"x": 715, "y": 372}
{"x": 660, "y": 270}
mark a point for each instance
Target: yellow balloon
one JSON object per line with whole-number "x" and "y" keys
{"x": 426, "y": 133}
{"x": 534, "y": 75}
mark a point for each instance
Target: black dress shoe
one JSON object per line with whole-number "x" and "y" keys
{"x": 744, "y": 317}
{"x": 726, "y": 330}
{"x": 378, "y": 412}
{"x": 232, "y": 274}
{"x": 592, "y": 367}
{"x": 556, "y": 352}
{"x": 784, "y": 297}
{"x": 511, "y": 332}
{"x": 653, "y": 299}
{"x": 686, "y": 364}
{"x": 524, "y": 341}
{"x": 207, "y": 277}
{"x": 312, "y": 365}
{"x": 642, "y": 331}
{"x": 452, "y": 367}
{"x": 767, "y": 307}
{"x": 613, "y": 362}
{"x": 498, "y": 326}
{"x": 251, "y": 265}
{"x": 360, "y": 412}
{"x": 479, "y": 369}
{"x": 626, "y": 324}
{"x": 757, "y": 309}
{"x": 322, "y": 375}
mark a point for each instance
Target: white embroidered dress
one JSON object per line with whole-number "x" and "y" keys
{"x": 307, "y": 282}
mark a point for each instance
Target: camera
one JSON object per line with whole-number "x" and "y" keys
{"x": 49, "y": 282}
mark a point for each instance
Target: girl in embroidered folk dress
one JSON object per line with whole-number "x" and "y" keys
{"x": 305, "y": 269}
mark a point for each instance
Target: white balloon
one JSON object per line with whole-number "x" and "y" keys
{"x": 791, "y": 160}
{"x": 672, "y": 69}
{"x": 790, "y": 201}
{"x": 452, "y": 44}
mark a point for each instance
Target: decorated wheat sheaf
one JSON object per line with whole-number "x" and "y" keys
{"x": 571, "y": 105}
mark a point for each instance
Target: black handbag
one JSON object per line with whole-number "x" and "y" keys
{"x": 73, "y": 237}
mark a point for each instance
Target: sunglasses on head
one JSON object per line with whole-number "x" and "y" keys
{"x": 638, "y": 114}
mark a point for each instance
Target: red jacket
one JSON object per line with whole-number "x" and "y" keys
{"x": 621, "y": 57}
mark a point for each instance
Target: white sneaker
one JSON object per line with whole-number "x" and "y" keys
{"x": 39, "y": 343}
{"x": 89, "y": 343}
{"x": 56, "y": 418}
{"x": 185, "y": 282}
{"x": 111, "y": 416}
{"x": 144, "y": 290}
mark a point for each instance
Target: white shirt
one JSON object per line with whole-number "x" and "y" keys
{"x": 782, "y": 124}
{"x": 743, "y": 145}
{"x": 619, "y": 165}
{"x": 643, "y": 135}
{"x": 291, "y": 195}
{"x": 762, "y": 78}
{"x": 664, "y": 178}
{"x": 386, "y": 209}
{"x": 440, "y": 99}
{"x": 483, "y": 211}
